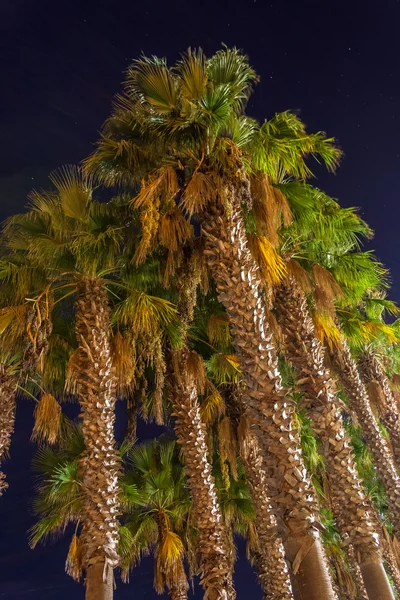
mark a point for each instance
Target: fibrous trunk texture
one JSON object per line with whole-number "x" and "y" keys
{"x": 372, "y": 372}
{"x": 271, "y": 566}
{"x": 99, "y": 582}
{"x": 359, "y": 402}
{"x": 97, "y": 394}
{"x": 8, "y": 386}
{"x": 215, "y": 570}
{"x": 324, "y": 409}
{"x": 191, "y": 435}
{"x": 269, "y": 411}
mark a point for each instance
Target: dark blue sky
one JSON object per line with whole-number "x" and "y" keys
{"x": 61, "y": 63}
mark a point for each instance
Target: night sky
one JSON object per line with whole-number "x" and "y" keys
{"x": 61, "y": 63}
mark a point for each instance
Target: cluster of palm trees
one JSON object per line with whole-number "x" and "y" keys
{"x": 220, "y": 294}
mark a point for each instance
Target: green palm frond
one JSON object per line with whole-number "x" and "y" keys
{"x": 192, "y": 71}
{"x": 150, "y": 79}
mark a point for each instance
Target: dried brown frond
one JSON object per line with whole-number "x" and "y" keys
{"x": 326, "y": 330}
{"x": 196, "y": 369}
{"x": 47, "y": 419}
{"x": 243, "y": 435}
{"x": 272, "y": 265}
{"x": 123, "y": 355}
{"x": 171, "y": 265}
{"x": 218, "y": 330}
{"x": 159, "y": 379}
{"x": 300, "y": 275}
{"x": 149, "y": 220}
{"x": 377, "y": 398}
{"x": 162, "y": 186}
{"x": 14, "y": 316}
{"x": 284, "y": 207}
{"x": 325, "y": 280}
{"x": 200, "y": 191}
{"x": 346, "y": 583}
{"x": 213, "y": 405}
{"x": 275, "y": 327}
{"x": 252, "y": 544}
{"x": 323, "y": 302}
{"x": 71, "y": 381}
{"x": 174, "y": 229}
{"x": 396, "y": 381}
{"x": 227, "y": 445}
{"x": 265, "y": 207}
{"x": 73, "y": 564}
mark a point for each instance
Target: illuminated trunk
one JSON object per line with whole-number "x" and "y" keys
{"x": 350, "y": 509}
{"x": 375, "y": 377}
{"x": 215, "y": 571}
{"x": 268, "y": 410}
{"x": 347, "y": 370}
{"x": 100, "y": 466}
{"x": 99, "y": 582}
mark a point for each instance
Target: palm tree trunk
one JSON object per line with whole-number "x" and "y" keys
{"x": 271, "y": 566}
{"x": 272, "y": 570}
{"x": 191, "y": 435}
{"x": 100, "y": 466}
{"x": 348, "y": 503}
{"x": 359, "y": 402}
{"x": 99, "y": 582}
{"x": 372, "y": 371}
{"x": 215, "y": 572}
{"x": 8, "y": 386}
{"x": 269, "y": 412}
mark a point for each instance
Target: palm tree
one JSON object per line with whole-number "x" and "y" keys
{"x": 349, "y": 506}
{"x": 157, "y": 510}
{"x": 184, "y": 131}
{"x": 153, "y": 496}
{"x": 67, "y": 234}
{"x": 25, "y": 329}
{"x": 185, "y": 376}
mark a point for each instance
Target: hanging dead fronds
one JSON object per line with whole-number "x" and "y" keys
{"x": 123, "y": 356}
{"x": 270, "y": 207}
{"x": 326, "y": 330}
{"x": 227, "y": 448}
{"x": 72, "y": 372}
{"x": 323, "y": 302}
{"x": 275, "y": 327}
{"x": 243, "y": 435}
{"x": 38, "y": 330}
{"x": 218, "y": 330}
{"x": 377, "y": 398}
{"x": 200, "y": 191}
{"x": 328, "y": 284}
{"x": 196, "y": 370}
{"x": 396, "y": 381}
{"x": 73, "y": 564}
{"x": 174, "y": 229}
{"x": 213, "y": 405}
{"x": 149, "y": 219}
{"x": 157, "y": 358}
{"x": 272, "y": 265}
{"x": 162, "y": 185}
{"x": 47, "y": 419}
{"x": 300, "y": 275}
